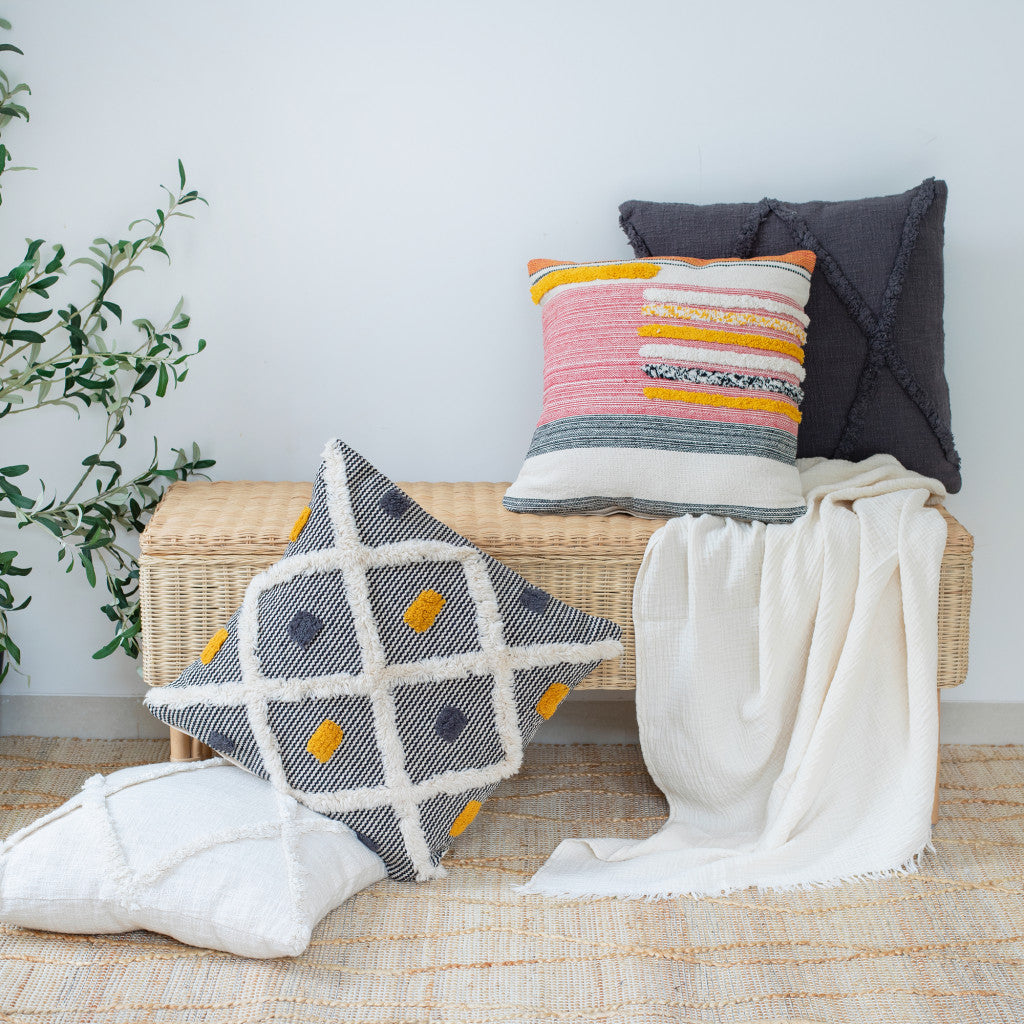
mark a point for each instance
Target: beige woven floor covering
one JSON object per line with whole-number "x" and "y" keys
{"x": 946, "y": 945}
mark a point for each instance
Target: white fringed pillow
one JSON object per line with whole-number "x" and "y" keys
{"x": 203, "y": 852}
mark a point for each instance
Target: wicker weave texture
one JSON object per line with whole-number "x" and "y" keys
{"x": 207, "y": 540}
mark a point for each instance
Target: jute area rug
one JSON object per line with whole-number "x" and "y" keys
{"x": 944, "y": 945}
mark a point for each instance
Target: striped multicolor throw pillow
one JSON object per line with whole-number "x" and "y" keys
{"x": 671, "y": 386}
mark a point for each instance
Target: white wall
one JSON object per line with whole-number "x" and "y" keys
{"x": 379, "y": 174}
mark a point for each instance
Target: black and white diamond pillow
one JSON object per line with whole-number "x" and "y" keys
{"x": 386, "y": 672}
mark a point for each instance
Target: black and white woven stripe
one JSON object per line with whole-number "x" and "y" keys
{"x": 321, "y": 599}
{"x": 393, "y": 725}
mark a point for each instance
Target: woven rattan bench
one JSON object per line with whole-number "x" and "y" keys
{"x": 206, "y": 541}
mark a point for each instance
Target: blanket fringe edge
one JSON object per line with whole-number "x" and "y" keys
{"x": 909, "y": 866}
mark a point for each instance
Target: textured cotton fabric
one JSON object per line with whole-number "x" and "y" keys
{"x": 875, "y": 348}
{"x": 671, "y": 386}
{"x": 203, "y": 852}
{"x": 785, "y": 694}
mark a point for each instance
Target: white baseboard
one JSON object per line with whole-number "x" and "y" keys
{"x": 593, "y": 717}
{"x": 611, "y": 718}
{"x": 975, "y": 721}
{"x": 89, "y": 718}
{"x": 585, "y": 718}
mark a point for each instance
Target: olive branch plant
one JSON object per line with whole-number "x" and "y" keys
{"x": 72, "y": 354}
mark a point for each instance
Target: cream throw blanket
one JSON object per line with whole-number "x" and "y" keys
{"x": 785, "y": 694}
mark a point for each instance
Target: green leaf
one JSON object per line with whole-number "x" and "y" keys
{"x": 10, "y": 47}
{"x": 55, "y": 261}
{"x": 11, "y": 646}
{"x": 15, "y": 497}
{"x": 35, "y": 318}
{"x": 181, "y": 173}
{"x": 11, "y": 292}
{"x": 119, "y": 640}
{"x": 8, "y": 566}
{"x": 50, "y": 525}
{"x": 107, "y": 649}
{"x": 95, "y": 264}
{"x": 144, "y": 378}
{"x": 13, "y": 470}
{"x": 31, "y": 337}
{"x": 90, "y": 571}
{"x": 161, "y": 386}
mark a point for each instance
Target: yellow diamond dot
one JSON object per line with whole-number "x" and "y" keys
{"x": 420, "y": 615}
{"x": 216, "y": 641}
{"x": 299, "y": 524}
{"x": 325, "y": 740}
{"x": 553, "y": 696}
{"x": 465, "y": 818}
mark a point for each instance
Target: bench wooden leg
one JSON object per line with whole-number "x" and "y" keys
{"x": 181, "y": 746}
{"x": 185, "y": 748}
{"x": 938, "y": 759}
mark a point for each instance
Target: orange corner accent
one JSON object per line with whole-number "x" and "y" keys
{"x": 465, "y": 818}
{"x": 534, "y": 265}
{"x": 553, "y": 696}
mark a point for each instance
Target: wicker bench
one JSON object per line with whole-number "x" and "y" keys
{"x": 207, "y": 540}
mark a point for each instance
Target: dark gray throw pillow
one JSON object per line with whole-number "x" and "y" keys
{"x": 875, "y": 377}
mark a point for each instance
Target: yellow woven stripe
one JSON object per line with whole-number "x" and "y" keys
{"x": 216, "y": 641}
{"x": 725, "y": 401}
{"x": 299, "y": 524}
{"x": 325, "y": 740}
{"x": 420, "y": 615}
{"x": 724, "y": 316}
{"x": 582, "y": 274}
{"x": 465, "y": 818}
{"x": 553, "y": 696}
{"x": 721, "y": 338}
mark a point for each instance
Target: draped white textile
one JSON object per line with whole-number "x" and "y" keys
{"x": 786, "y": 680}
